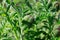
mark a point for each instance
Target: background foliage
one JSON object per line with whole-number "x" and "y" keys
{"x": 29, "y": 20}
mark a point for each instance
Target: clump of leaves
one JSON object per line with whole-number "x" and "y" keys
{"x": 27, "y": 21}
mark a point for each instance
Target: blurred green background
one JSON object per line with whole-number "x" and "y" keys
{"x": 29, "y": 20}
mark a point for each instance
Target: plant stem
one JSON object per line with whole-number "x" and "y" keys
{"x": 19, "y": 12}
{"x": 11, "y": 21}
{"x": 20, "y": 25}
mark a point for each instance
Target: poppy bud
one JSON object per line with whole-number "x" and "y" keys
{"x": 28, "y": 20}
{"x": 57, "y": 5}
{"x": 58, "y": 33}
{"x": 58, "y": 28}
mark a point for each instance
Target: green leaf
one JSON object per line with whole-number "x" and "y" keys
{"x": 28, "y": 4}
{"x": 8, "y": 1}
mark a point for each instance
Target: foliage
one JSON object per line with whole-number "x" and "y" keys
{"x": 29, "y": 19}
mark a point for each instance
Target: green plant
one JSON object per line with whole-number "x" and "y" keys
{"x": 28, "y": 20}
